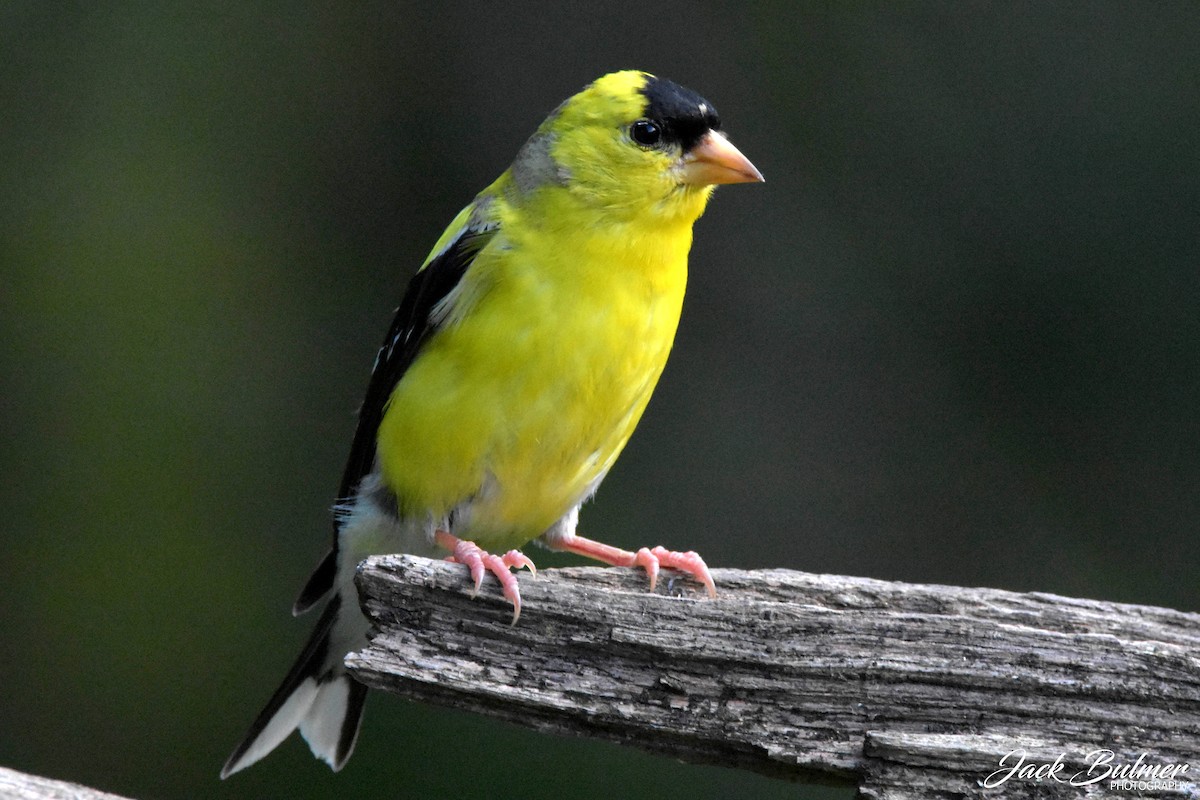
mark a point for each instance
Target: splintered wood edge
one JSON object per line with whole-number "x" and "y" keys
{"x": 790, "y": 674}
{"x": 20, "y": 786}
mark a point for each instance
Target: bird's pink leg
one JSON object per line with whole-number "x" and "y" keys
{"x": 651, "y": 559}
{"x": 479, "y": 561}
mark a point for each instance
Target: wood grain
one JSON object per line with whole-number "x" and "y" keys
{"x": 902, "y": 690}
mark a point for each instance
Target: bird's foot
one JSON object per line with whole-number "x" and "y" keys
{"x": 479, "y": 562}
{"x": 649, "y": 559}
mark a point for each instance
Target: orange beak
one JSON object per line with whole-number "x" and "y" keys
{"x": 715, "y": 160}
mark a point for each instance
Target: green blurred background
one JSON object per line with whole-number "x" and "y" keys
{"x": 955, "y": 337}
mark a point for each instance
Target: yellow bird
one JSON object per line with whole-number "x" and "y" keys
{"x": 520, "y": 360}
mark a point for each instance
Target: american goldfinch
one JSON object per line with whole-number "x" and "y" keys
{"x": 521, "y": 358}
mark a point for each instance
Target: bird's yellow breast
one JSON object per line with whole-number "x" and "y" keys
{"x": 548, "y": 355}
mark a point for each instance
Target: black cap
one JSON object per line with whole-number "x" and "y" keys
{"x": 683, "y": 115}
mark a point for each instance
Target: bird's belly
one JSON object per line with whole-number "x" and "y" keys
{"x": 506, "y": 424}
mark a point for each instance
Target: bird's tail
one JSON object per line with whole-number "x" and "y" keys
{"x": 317, "y": 696}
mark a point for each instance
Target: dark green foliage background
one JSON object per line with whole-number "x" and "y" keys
{"x": 954, "y": 338}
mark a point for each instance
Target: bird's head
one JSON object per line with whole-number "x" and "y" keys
{"x": 633, "y": 146}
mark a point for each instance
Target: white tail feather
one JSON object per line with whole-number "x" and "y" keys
{"x": 317, "y": 696}
{"x": 289, "y": 715}
{"x": 322, "y": 726}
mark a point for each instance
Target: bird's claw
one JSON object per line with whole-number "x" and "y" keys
{"x": 689, "y": 562}
{"x": 480, "y": 562}
{"x": 651, "y": 560}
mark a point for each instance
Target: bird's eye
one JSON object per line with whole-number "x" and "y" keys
{"x": 645, "y": 133}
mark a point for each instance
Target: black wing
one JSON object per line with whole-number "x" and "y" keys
{"x": 410, "y": 329}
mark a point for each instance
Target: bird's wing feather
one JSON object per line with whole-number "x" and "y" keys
{"x": 410, "y": 329}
